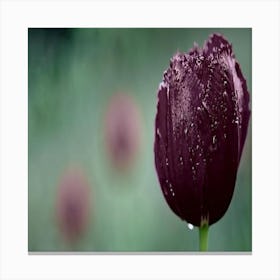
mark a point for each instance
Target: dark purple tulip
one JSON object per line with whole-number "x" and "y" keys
{"x": 200, "y": 130}
{"x": 73, "y": 204}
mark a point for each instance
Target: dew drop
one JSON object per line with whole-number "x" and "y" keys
{"x": 214, "y": 139}
{"x": 190, "y": 226}
{"x": 213, "y": 146}
{"x": 204, "y": 104}
{"x": 158, "y": 132}
{"x": 181, "y": 160}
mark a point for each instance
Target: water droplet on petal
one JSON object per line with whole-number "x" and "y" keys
{"x": 166, "y": 161}
{"x": 167, "y": 92}
{"x": 205, "y": 104}
{"x": 158, "y": 132}
{"x": 214, "y": 145}
{"x": 190, "y": 226}
{"x": 214, "y": 139}
{"x": 181, "y": 160}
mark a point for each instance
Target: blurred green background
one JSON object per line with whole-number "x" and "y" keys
{"x": 72, "y": 73}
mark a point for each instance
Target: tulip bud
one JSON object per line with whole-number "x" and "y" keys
{"x": 73, "y": 205}
{"x": 122, "y": 131}
{"x": 200, "y": 129}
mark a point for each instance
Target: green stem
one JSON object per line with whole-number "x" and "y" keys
{"x": 203, "y": 237}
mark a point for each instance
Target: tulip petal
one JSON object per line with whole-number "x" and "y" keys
{"x": 201, "y": 124}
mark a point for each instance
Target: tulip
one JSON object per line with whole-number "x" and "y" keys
{"x": 73, "y": 205}
{"x": 122, "y": 131}
{"x": 200, "y": 129}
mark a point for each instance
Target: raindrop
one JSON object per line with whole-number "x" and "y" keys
{"x": 190, "y": 226}
{"x": 225, "y": 135}
{"x": 213, "y": 147}
{"x": 204, "y": 104}
{"x": 166, "y": 161}
{"x": 194, "y": 173}
{"x": 181, "y": 160}
{"x": 158, "y": 132}
{"x": 167, "y": 93}
{"x": 186, "y": 130}
{"x": 214, "y": 139}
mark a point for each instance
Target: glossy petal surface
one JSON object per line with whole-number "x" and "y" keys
{"x": 200, "y": 130}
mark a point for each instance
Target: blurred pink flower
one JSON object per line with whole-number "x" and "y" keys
{"x": 73, "y": 204}
{"x": 122, "y": 130}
